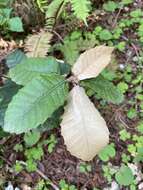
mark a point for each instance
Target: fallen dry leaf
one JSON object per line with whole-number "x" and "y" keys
{"x": 37, "y": 45}
{"x": 9, "y": 45}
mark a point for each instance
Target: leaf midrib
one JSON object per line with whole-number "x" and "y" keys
{"x": 43, "y": 96}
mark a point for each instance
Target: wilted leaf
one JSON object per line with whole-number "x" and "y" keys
{"x": 92, "y": 62}
{"x": 84, "y": 130}
{"x": 37, "y": 45}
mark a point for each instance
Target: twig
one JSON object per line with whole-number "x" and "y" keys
{"x": 136, "y": 51}
{"x": 115, "y": 113}
{"x": 5, "y": 160}
{"x": 57, "y": 34}
{"x": 133, "y": 46}
{"x": 124, "y": 124}
{"x": 73, "y": 80}
{"x": 43, "y": 176}
{"x": 116, "y": 18}
{"x": 38, "y": 171}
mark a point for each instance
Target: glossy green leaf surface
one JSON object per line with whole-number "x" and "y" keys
{"x": 6, "y": 93}
{"x": 104, "y": 89}
{"x": 35, "y": 103}
{"x": 33, "y": 67}
{"x": 15, "y": 58}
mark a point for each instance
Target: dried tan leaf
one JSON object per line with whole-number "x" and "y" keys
{"x": 92, "y": 62}
{"x": 7, "y": 45}
{"x": 37, "y": 45}
{"x": 83, "y": 128}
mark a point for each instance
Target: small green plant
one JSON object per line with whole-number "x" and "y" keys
{"x": 105, "y": 35}
{"x": 18, "y": 167}
{"x": 18, "y": 148}
{"x": 132, "y": 149}
{"x": 45, "y": 90}
{"x": 42, "y": 185}
{"x": 8, "y": 23}
{"x": 121, "y": 46}
{"x": 31, "y": 166}
{"x": 125, "y": 158}
{"x": 54, "y": 9}
{"x": 136, "y": 13}
{"x": 132, "y": 113}
{"x": 107, "y": 153}
{"x": 110, "y": 6}
{"x": 31, "y": 138}
{"x": 124, "y": 135}
{"x": 124, "y": 176}
{"x": 85, "y": 168}
{"x": 32, "y": 155}
{"x": 139, "y": 156}
{"x": 51, "y": 143}
{"x": 140, "y": 127}
{"x": 136, "y": 148}
{"x": 81, "y": 9}
{"x": 64, "y": 186}
{"x": 123, "y": 87}
{"x": 108, "y": 172}
{"x": 75, "y": 43}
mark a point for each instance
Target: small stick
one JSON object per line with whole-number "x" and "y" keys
{"x": 5, "y": 160}
{"x": 136, "y": 51}
{"x": 116, "y": 18}
{"x": 43, "y": 176}
{"x": 133, "y": 45}
{"x": 57, "y": 34}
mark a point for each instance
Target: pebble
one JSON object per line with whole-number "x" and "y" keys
{"x": 10, "y": 187}
{"x": 140, "y": 186}
{"x": 121, "y": 66}
{"x": 114, "y": 186}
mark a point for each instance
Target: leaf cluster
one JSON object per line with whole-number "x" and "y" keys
{"x": 9, "y": 23}
{"x": 45, "y": 89}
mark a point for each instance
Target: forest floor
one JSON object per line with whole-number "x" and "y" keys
{"x": 122, "y": 28}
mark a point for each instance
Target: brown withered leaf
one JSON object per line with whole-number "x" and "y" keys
{"x": 37, "y": 45}
{"x": 91, "y": 63}
{"x": 83, "y": 128}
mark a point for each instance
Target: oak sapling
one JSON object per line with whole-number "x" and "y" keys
{"x": 45, "y": 90}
